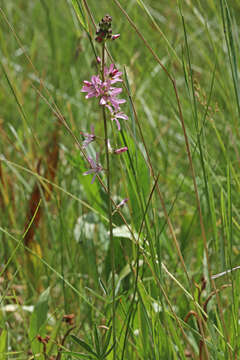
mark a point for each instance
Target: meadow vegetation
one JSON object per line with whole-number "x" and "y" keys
{"x": 141, "y": 261}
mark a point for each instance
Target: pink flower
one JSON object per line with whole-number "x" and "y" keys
{"x": 96, "y": 168}
{"x": 114, "y": 37}
{"x": 121, "y": 150}
{"x": 112, "y": 74}
{"x": 93, "y": 88}
{"x": 123, "y": 202}
{"x": 117, "y": 151}
{"x": 88, "y": 137}
{"x": 110, "y": 100}
{"x": 108, "y": 94}
{"x": 118, "y": 115}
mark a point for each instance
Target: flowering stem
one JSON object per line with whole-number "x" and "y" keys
{"x": 109, "y": 212}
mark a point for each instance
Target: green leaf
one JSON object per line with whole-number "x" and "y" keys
{"x": 138, "y": 179}
{"x": 38, "y": 320}
{"x": 97, "y": 342}
{"x": 80, "y": 13}
{"x": 3, "y": 345}
{"x": 123, "y": 232}
{"x": 103, "y": 286}
{"x": 105, "y": 346}
{"x": 51, "y": 346}
{"x": 77, "y": 355}
{"x": 108, "y": 352}
{"x": 86, "y": 346}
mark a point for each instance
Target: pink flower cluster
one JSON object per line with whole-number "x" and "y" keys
{"x": 107, "y": 93}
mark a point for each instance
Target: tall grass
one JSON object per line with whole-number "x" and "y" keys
{"x": 165, "y": 284}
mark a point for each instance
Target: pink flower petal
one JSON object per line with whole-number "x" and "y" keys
{"x": 91, "y": 171}
{"x": 93, "y": 179}
{"x": 116, "y": 80}
{"x": 115, "y": 91}
{"x": 121, "y": 116}
{"x": 111, "y": 67}
{"x": 118, "y": 123}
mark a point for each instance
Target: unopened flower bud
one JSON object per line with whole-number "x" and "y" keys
{"x": 105, "y": 23}
{"x": 114, "y": 37}
{"x": 121, "y": 150}
{"x": 104, "y": 31}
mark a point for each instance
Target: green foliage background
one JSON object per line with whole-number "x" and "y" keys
{"x": 46, "y": 52}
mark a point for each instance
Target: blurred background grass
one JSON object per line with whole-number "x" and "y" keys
{"x": 49, "y": 34}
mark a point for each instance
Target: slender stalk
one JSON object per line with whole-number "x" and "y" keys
{"x": 109, "y": 212}
{"x": 137, "y": 269}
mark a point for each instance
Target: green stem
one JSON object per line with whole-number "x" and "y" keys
{"x": 109, "y": 213}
